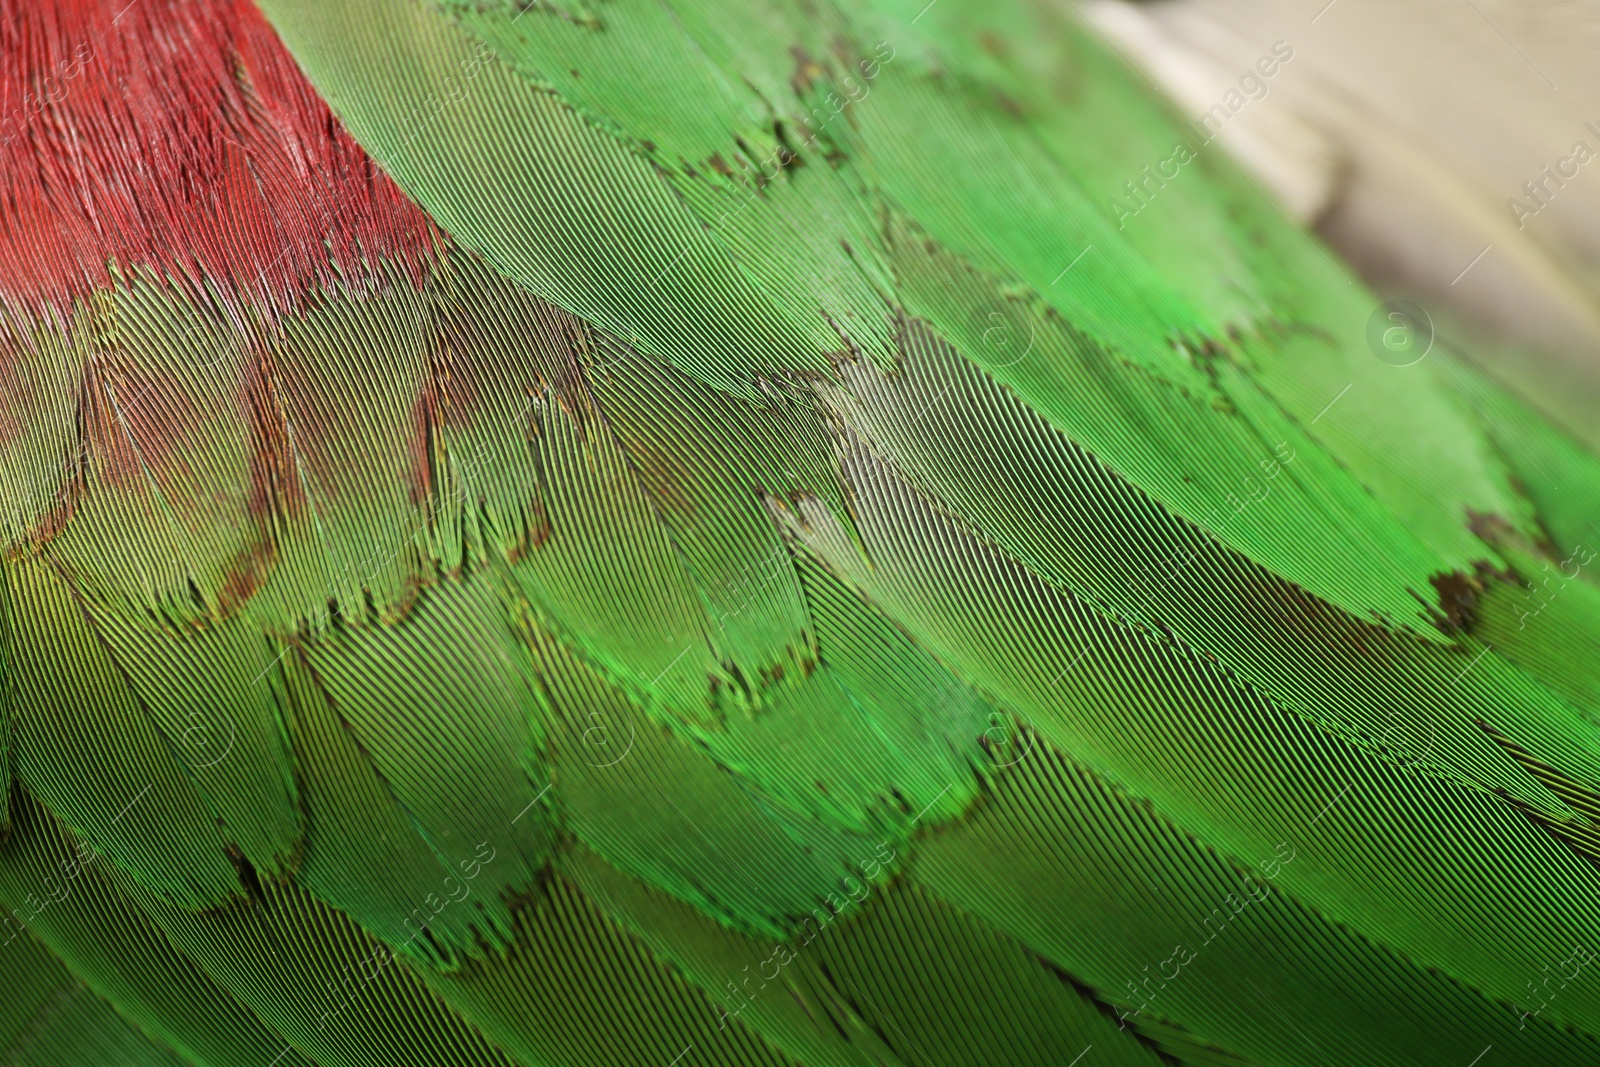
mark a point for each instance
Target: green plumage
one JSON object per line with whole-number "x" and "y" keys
{"x": 793, "y": 580}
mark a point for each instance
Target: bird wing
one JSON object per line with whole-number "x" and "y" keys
{"x": 709, "y": 533}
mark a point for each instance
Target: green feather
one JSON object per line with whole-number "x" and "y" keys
{"x": 787, "y": 575}
{"x": 51, "y": 1018}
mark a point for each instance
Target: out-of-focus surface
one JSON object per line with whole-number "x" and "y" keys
{"x": 1450, "y": 149}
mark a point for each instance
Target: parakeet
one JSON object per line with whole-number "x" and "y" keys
{"x": 542, "y": 533}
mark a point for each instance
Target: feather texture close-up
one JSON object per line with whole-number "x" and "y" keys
{"x": 571, "y": 533}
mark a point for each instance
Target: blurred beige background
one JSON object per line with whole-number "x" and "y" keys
{"x": 1400, "y": 131}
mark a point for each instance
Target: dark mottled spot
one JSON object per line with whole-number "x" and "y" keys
{"x": 1458, "y": 600}
{"x": 273, "y": 486}
{"x": 993, "y": 44}
{"x": 1009, "y": 105}
{"x": 806, "y": 71}
{"x": 246, "y": 574}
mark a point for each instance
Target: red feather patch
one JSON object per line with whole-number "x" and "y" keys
{"x": 178, "y": 139}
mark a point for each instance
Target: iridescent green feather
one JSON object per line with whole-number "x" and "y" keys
{"x": 796, "y": 581}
